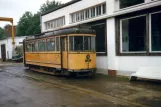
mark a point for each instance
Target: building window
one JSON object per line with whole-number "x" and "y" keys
{"x": 100, "y": 37}
{"x": 77, "y": 16}
{"x": 156, "y": 32}
{"x": 51, "y": 24}
{"x": 73, "y": 18}
{"x": 55, "y": 23}
{"x": 139, "y": 35}
{"x": 82, "y": 15}
{"x": 92, "y": 12}
{"x": 48, "y": 25}
{"x": 128, "y": 3}
{"x": 104, "y": 8}
{"x": 98, "y": 8}
{"x": 133, "y": 34}
{"x": 100, "y": 44}
{"x": 86, "y": 14}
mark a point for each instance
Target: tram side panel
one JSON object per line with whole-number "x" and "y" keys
{"x": 53, "y": 59}
{"x": 80, "y": 61}
{"x": 44, "y": 59}
{"x": 64, "y": 60}
{"x": 31, "y": 58}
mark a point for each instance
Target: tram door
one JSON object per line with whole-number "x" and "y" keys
{"x": 64, "y": 53}
{"x": 3, "y": 52}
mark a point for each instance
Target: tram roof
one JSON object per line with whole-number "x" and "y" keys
{"x": 64, "y": 32}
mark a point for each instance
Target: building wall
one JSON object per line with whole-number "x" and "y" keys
{"x": 73, "y": 8}
{"x": 124, "y": 65}
{"x": 112, "y": 10}
{"x": 129, "y": 65}
{"x": 8, "y": 43}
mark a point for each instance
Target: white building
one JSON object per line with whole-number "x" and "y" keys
{"x": 6, "y": 47}
{"x": 128, "y": 31}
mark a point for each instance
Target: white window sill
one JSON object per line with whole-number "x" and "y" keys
{"x": 88, "y": 18}
{"x": 146, "y": 5}
{"x": 155, "y": 52}
{"x": 132, "y": 52}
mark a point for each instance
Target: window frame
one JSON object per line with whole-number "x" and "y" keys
{"x": 150, "y": 31}
{"x": 148, "y": 41}
{"x": 59, "y": 44}
{"x": 105, "y": 41}
{"x": 27, "y": 43}
{"x": 33, "y": 46}
{"x": 90, "y": 9}
{"x": 99, "y": 10}
{"x": 81, "y": 35}
{"x": 42, "y": 40}
{"x": 56, "y": 23}
{"x": 121, "y": 48}
{"x": 36, "y": 41}
{"x": 51, "y": 40}
{"x": 129, "y": 6}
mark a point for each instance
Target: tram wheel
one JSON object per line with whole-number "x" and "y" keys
{"x": 92, "y": 74}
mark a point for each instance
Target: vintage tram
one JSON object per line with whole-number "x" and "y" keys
{"x": 66, "y": 51}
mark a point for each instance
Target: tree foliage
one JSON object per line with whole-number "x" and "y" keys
{"x": 49, "y": 5}
{"x": 1, "y": 32}
{"x": 29, "y": 24}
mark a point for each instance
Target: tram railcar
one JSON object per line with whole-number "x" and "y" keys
{"x": 64, "y": 52}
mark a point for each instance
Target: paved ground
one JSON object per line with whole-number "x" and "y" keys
{"x": 20, "y": 87}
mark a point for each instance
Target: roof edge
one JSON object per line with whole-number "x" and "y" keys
{"x": 61, "y": 6}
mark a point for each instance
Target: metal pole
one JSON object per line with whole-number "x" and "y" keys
{"x": 13, "y": 34}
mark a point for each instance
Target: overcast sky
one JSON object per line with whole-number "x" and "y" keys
{"x": 15, "y": 8}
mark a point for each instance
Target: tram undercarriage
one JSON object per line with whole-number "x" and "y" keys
{"x": 63, "y": 72}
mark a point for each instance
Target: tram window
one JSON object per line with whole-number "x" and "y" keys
{"x": 51, "y": 45}
{"x": 78, "y": 43}
{"x": 36, "y": 47}
{"x": 87, "y": 43}
{"x": 93, "y": 43}
{"x": 57, "y": 44}
{"x": 28, "y": 48}
{"x": 33, "y": 47}
{"x": 41, "y": 46}
{"x": 71, "y": 43}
